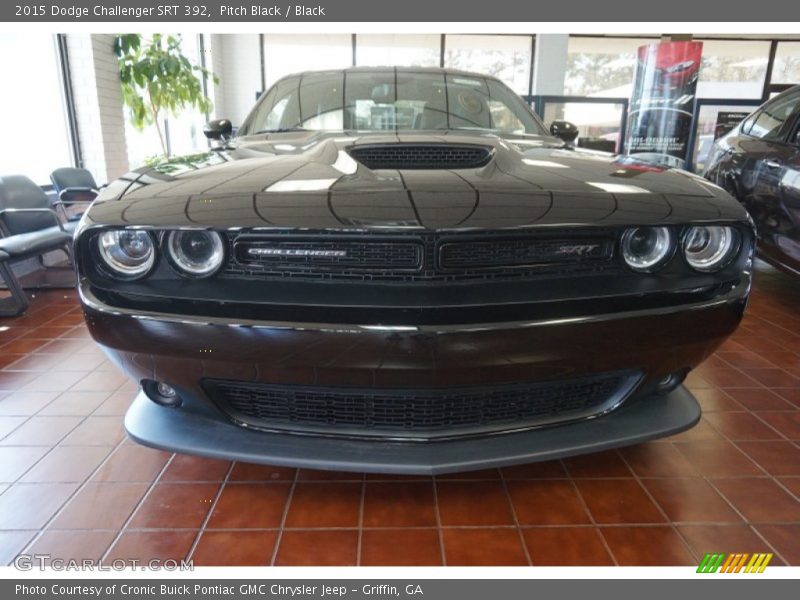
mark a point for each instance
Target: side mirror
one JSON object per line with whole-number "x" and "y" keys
{"x": 564, "y": 130}
{"x": 218, "y": 129}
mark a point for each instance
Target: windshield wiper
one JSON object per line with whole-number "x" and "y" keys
{"x": 281, "y": 130}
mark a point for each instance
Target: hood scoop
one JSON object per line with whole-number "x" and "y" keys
{"x": 422, "y": 156}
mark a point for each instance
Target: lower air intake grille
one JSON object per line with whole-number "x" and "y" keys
{"x": 418, "y": 413}
{"x": 421, "y": 156}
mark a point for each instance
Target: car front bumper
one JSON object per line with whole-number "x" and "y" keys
{"x": 184, "y": 351}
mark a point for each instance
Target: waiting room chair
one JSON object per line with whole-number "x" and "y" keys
{"x": 29, "y": 227}
{"x": 74, "y": 187}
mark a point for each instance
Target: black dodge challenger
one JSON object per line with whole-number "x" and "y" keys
{"x": 401, "y": 270}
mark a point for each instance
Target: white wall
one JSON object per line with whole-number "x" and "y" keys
{"x": 98, "y": 105}
{"x": 237, "y": 63}
{"x": 550, "y": 64}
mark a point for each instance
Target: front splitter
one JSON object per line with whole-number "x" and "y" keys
{"x": 191, "y": 433}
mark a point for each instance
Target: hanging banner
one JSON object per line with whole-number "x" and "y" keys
{"x": 660, "y": 116}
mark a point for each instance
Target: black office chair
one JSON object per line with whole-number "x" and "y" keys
{"x": 29, "y": 227}
{"x": 74, "y": 187}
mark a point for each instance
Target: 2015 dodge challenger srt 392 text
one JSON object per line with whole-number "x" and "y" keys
{"x": 402, "y": 270}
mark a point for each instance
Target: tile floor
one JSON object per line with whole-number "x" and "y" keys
{"x": 72, "y": 486}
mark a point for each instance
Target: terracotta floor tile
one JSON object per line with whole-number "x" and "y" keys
{"x": 728, "y": 377}
{"x": 400, "y": 547}
{"x": 99, "y": 381}
{"x": 235, "y": 548}
{"x": 481, "y": 474}
{"x": 399, "y": 504}
{"x": 73, "y": 545}
{"x": 264, "y": 502}
{"x": 759, "y": 500}
{"x": 32, "y": 505}
{"x": 618, "y": 501}
{"x": 483, "y": 547}
{"x": 74, "y": 403}
{"x": 785, "y": 539}
{"x": 145, "y": 546}
{"x": 714, "y": 400}
{"x": 551, "y": 502}
{"x": 787, "y": 423}
{"x": 9, "y": 424}
{"x": 184, "y": 467}
{"x": 722, "y": 538}
{"x": 67, "y": 464}
{"x": 320, "y": 475}
{"x": 643, "y": 546}
{"x": 760, "y": 399}
{"x": 41, "y": 431}
{"x": 777, "y": 458}
{"x": 96, "y": 431}
{"x": 551, "y": 469}
{"x": 132, "y": 463}
{"x": 776, "y": 378}
{"x": 252, "y": 472}
{"x": 792, "y": 484}
{"x": 318, "y": 548}
{"x": 327, "y": 504}
{"x": 717, "y": 459}
{"x": 100, "y": 506}
{"x": 741, "y": 426}
{"x": 702, "y": 432}
{"x": 566, "y": 546}
{"x": 690, "y": 499}
{"x": 115, "y": 405}
{"x": 12, "y": 543}
{"x": 658, "y": 459}
{"x": 53, "y": 381}
{"x": 25, "y": 403}
{"x": 598, "y": 465}
{"x": 473, "y": 503}
{"x": 175, "y": 506}
{"x": 16, "y": 460}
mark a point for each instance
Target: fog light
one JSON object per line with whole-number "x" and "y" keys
{"x": 161, "y": 393}
{"x": 670, "y": 382}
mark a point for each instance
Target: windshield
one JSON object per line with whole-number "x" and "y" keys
{"x": 390, "y": 100}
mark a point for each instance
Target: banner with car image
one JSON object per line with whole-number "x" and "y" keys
{"x": 665, "y": 85}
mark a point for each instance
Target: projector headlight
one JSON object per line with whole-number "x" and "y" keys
{"x": 646, "y": 249}
{"x": 128, "y": 253}
{"x": 710, "y": 247}
{"x": 196, "y": 253}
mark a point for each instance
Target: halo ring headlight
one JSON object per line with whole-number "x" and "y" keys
{"x": 196, "y": 253}
{"x": 709, "y": 248}
{"x": 127, "y": 253}
{"x": 646, "y": 249}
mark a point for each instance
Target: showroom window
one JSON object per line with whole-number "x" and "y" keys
{"x": 507, "y": 57}
{"x": 398, "y": 50}
{"x": 786, "y": 68}
{"x": 183, "y": 132}
{"x": 285, "y": 54}
{"x": 601, "y": 67}
{"x": 36, "y": 125}
{"x": 733, "y": 68}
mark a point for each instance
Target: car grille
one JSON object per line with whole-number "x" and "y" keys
{"x": 419, "y": 256}
{"x": 418, "y": 413}
{"x": 421, "y": 156}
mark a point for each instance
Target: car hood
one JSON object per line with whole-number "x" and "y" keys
{"x": 310, "y": 180}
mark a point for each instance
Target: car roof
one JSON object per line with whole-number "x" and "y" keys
{"x": 383, "y": 69}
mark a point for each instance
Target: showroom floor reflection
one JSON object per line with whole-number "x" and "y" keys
{"x": 72, "y": 485}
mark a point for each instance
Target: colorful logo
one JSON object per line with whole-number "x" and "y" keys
{"x": 717, "y": 562}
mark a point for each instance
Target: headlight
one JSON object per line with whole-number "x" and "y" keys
{"x": 709, "y": 248}
{"x": 129, "y": 253}
{"x": 196, "y": 253}
{"x": 646, "y": 248}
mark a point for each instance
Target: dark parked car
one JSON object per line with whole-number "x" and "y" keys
{"x": 758, "y": 162}
{"x": 402, "y": 270}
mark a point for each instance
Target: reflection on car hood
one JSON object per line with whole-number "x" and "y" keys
{"x": 309, "y": 180}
